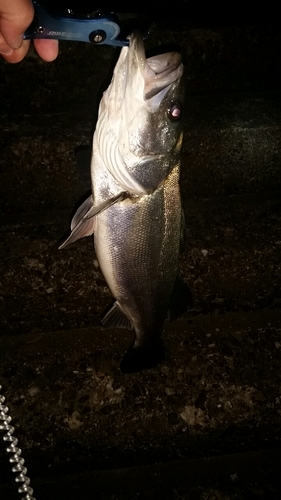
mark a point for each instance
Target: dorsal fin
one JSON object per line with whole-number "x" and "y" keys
{"x": 181, "y": 299}
{"x": 183, "y": 237}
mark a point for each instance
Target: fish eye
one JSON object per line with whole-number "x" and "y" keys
{"x": 175, "y": 111}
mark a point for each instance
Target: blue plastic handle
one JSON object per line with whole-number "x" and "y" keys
{"x": 101, "y": 30}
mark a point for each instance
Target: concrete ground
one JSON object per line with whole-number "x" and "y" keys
{"x": 204, "y": 424}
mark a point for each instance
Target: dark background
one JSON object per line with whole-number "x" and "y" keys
{"x": 205, "y": 424}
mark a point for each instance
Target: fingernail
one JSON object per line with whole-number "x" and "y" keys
{"x": 17, "y": 42}
{"x": 6, "y": 52}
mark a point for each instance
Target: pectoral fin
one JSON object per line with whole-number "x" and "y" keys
{"x": 105, "y": 204}
{"x": 80, "y": 226}
{"x": 84, "y": 222}
{"x": 81, "y": 212}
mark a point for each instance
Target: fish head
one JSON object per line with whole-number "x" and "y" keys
{"x": 139, "y": 131}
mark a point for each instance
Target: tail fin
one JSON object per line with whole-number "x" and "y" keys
{"x": 142, "y": 358}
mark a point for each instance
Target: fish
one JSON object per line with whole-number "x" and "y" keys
{"x": 135, "y": 210}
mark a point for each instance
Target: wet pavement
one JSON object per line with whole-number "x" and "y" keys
{"x": 205, "y": 424}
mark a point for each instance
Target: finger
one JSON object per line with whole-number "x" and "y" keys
{"x": 15, "y": 17}
{"x": 16, "y": 56}
{"x": 47, "y": 49}
{"x": 5, "y": 49}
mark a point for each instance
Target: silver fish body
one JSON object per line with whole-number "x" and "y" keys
{"x": 135, "y": 208}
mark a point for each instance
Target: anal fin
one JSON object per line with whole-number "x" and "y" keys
{"x": 115, "y": 318}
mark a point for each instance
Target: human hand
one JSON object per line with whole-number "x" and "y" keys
{"x": 15, "y": 17}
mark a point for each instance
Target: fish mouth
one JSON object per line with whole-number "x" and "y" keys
{"x": 158, "y": 72}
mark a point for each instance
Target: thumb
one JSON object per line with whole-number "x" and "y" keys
{"x": 15, "y": 17}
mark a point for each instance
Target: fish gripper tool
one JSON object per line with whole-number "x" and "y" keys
{"x": 97, "y": 27}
